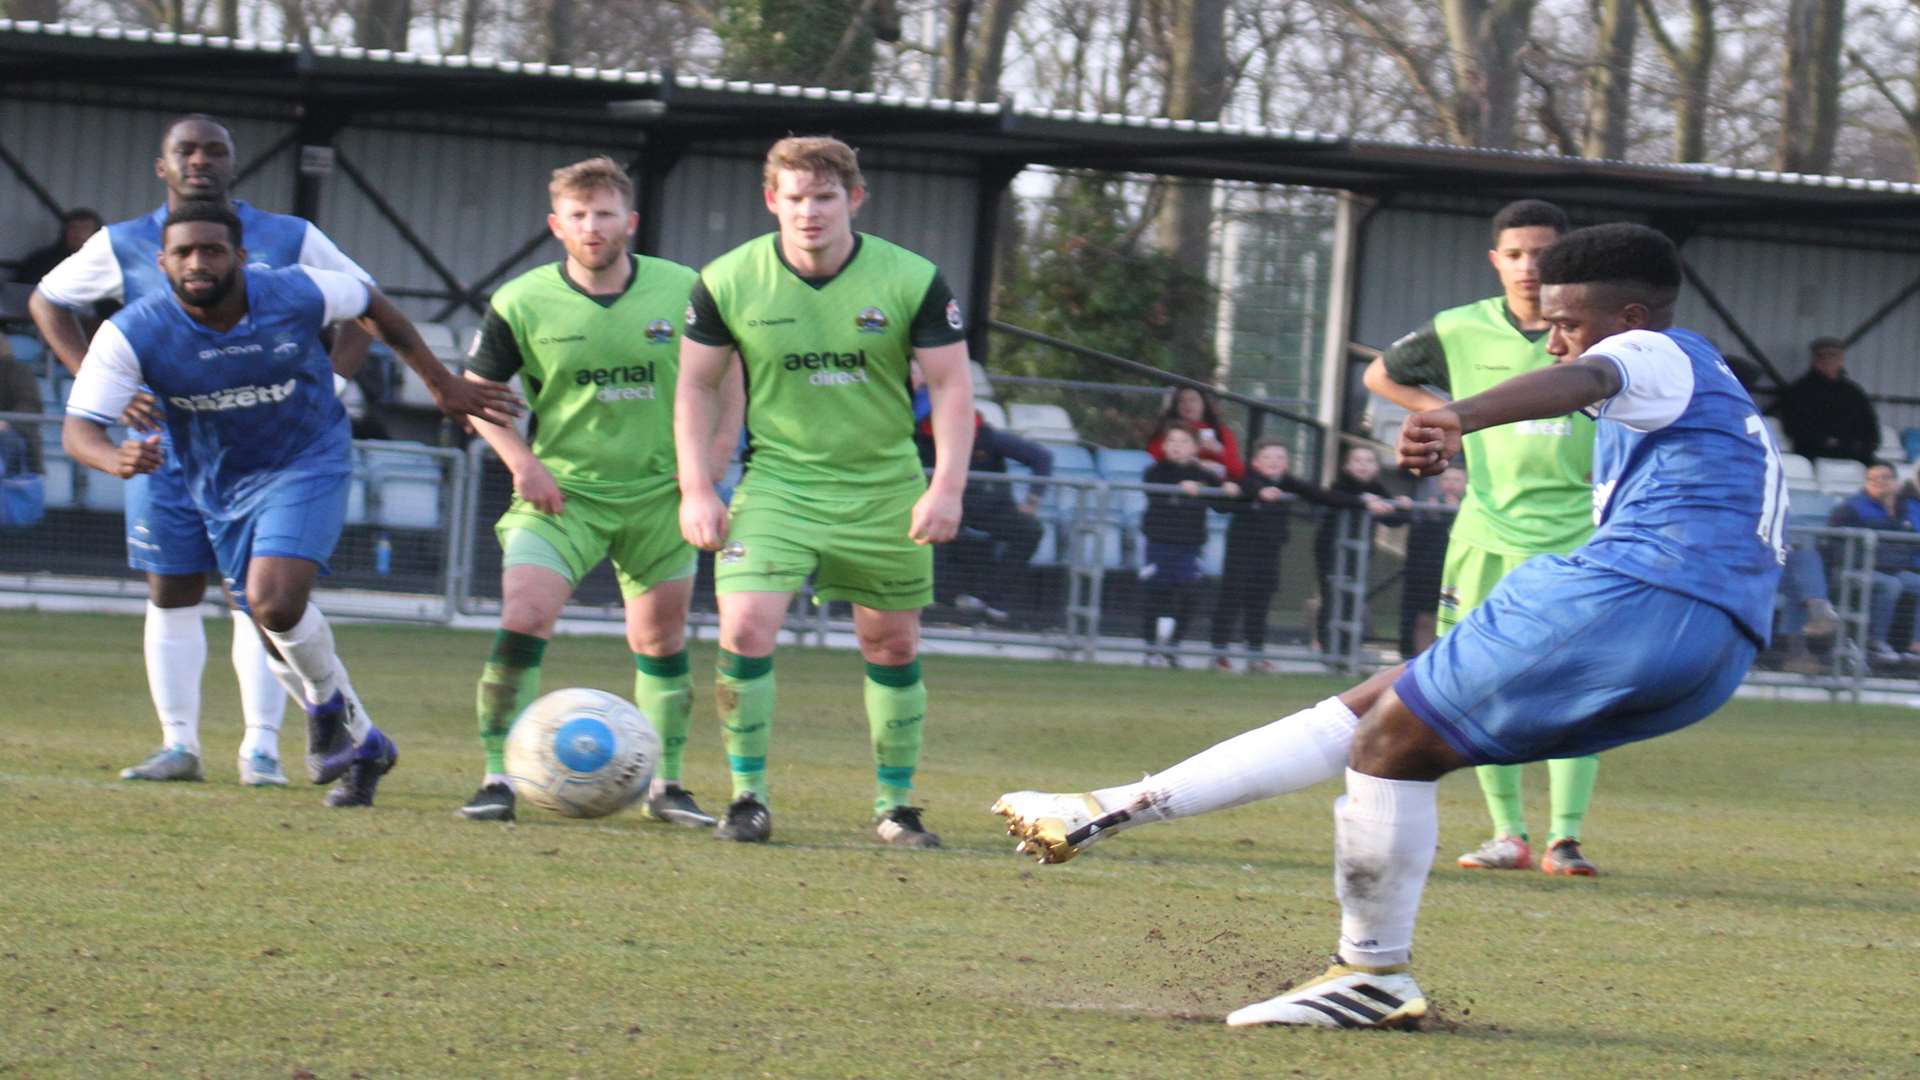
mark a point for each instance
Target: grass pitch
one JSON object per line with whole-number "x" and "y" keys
{"x": 1759, "y": 913}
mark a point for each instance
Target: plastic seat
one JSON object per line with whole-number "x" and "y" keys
{"x": 104, "y": 492}
{"x": 991, "y": 412}
{"x": 1839, "y": 476}
{"x": 982, "y": 384}
{"x": 1028, "y": 418}
{"x": 1797, "y": 470}
{"x": 403, "y": 487}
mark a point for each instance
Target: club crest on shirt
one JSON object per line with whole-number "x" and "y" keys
{"x": 659, "y": 331}
{"x": 691, "y": 317}
{"x": 1450, "y": 597}
{"x": 734, "y": 552}
{"x": 871, "y": 321}
{"x": 953, "y": 314}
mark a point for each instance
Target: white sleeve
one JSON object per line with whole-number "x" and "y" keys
{"x": 346, "y": 295}
{"x": 108, "y": 379}
{"x": 87, "y": 276}
{"x": 319, "y": 251}
{"x": 1656, "y": 379}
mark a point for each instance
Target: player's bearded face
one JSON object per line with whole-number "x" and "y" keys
{"x": 201, "y": 263}
{"x": 596, "y": 227}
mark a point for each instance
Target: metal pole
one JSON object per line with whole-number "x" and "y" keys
{"x": 1339, "y": 328}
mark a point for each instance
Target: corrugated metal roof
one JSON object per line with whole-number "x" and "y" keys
{"x": 1238, "y": 144}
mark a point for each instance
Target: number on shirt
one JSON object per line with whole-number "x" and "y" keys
{"x": 1773, "y": 505}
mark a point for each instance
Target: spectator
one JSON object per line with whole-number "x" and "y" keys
{"x": 75, "y": 226}
{"x": 1176, "y": 529}
{"x": 998, "y": 536}
{"x": 1420, "y": 577}
{"x": 19, "y": 393}
{"x": 1219, "y": 450}
{"x": 1359, "y": 478}
{"x": 1258, "y": 533}
{"x": 1809, "y": 614}
{"x": 1879, "y": 506}
{"x": 1826, "y": 414}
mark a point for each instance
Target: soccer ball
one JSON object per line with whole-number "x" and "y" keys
{"x": 582, "y": 753}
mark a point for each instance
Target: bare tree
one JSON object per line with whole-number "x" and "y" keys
{"x": 1692, "y": 65}
{"x": 45, "y": 11}
{"x": 382, "y": 24}
{"x": 1484, "y": 42}
{"x": 1810, "y": 85}
{"x": 1905, "y": 101}
{"x": 1609, "y": 83}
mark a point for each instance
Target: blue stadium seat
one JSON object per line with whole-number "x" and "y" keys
{"x": 1119, "y": 464}
{"x": 59, "y": 482}
{"x": 1806, "y": 506}
{"x": 1910, "y": 438}
{"x": 403, "y": 488}
{"x": 1071, "y": 457}
{"x": 28, "y": 350}
{"x": 104, "y": 492}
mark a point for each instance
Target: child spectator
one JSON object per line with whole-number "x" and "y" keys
{"x": 1420, "y": 578}
{"x": 1176, "y": 529}
{"x": 1219, "y": 451}
{"x": 1258, "y": 533}
{"x": 1360, "y": 478}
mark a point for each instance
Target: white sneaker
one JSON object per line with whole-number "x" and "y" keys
{"x": 1047, "y": 823}
{"x": 261, "y": 769}
{"x": 1500, "y": 853}
{"x": 1345, "y": 997}
{"x": 1882, "y": 653}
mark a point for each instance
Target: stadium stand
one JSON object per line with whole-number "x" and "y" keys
{"x": 1837, "y": 476}
{"x": 992, "y": 412}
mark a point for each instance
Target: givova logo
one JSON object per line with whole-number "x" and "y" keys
{"x": 237, "y": 397}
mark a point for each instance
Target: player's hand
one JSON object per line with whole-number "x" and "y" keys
{"x": 1429, "y": 441}
{"x": 703, "y": 520}
{"x": 140, "y": 413}
{"x": 139, "y": 456}
{"x": 936, "y": 518}
{"x": 536, "y": 488}
{"x": 493, "y": 402}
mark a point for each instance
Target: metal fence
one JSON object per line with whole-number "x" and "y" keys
{"x": 1048, "y": 567}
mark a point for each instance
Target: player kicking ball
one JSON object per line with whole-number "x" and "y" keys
{"x": 236, "y": 357}
{"x": 1690, "y": 508}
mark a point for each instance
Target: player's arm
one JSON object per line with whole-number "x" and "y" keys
{"x": 495, "y": 360}
{"x": 733, "y": 413}
{"x": 1402, "y": 373}
{"x": 936, "y": 517}
{"x": 1430, "y": 440}
{"x": 697, "y": 413}
{"x": 85, "y": 277}
{"x": 350, "y": 340}
{"x": 347, "y": 297}
{"x": 108, "y": 379}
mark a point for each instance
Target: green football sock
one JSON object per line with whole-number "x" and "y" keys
{"x": 508, "y": 683}
{"x": 664, "y": 691}
{"x": 896, "y": 708}
{"x": 1573, "y": 780}
{"x": 744, "y": 691}
{"x": 1501, "y": 785}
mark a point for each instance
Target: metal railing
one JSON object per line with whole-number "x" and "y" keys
{"x": 1066, "y": 581}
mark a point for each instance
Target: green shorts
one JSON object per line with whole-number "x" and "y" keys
{"x": 1468, "y": 578}
{"x": 856, "y": 549}
{"x": 641, "y": 534}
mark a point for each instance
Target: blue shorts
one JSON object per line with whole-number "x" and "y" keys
{"x": 1566, "y": 658}
{"x": 296, "y": 516}
{"x": 165, "y": 534}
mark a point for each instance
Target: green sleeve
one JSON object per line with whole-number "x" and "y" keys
{"x": 496, "y": 352}
{"x": 1419, "y": 360}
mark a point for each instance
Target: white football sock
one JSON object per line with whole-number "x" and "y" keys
{"x": 358, "y": 722}
{"x": 493, "y": 778}
{"x": 176, "y": 651}
{"x": 1384, "y": 835}
{"x": 263, "y": 701}
{"x": 1292, "y": 753}
{"x": 308, "y": 650}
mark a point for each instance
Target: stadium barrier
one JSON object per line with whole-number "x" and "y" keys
{"x": 418, "y": 546}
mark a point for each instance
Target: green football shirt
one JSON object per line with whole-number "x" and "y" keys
{"x": 598, "y": 372}
{"x": 1529, "y": 485}
{"x": 829, "y": 403}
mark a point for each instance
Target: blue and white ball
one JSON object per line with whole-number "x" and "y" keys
{"x": 582, "y": 753}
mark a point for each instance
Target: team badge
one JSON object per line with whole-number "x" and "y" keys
{"x": 953, "y": 314}
{"x": 1450, "y": 597}
{"x": 734, "y": 552}
{"x": 691, "y": 318}
{"x": 871, "y": 321}
{"x": 660, "y": 330}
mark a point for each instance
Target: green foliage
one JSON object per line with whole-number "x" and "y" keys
{"x": 1755, "y": 917}
{"x": 797, "y": 41}
{"x": 1084, "y": 273}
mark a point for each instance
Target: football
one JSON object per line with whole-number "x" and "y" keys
{"x": 581, "y": 753}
